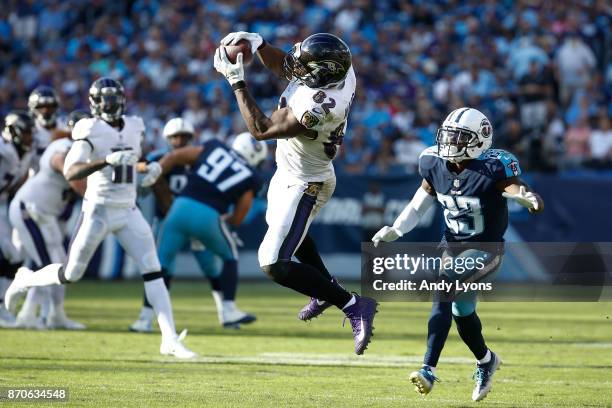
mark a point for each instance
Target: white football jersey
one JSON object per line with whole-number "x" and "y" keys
{"x": 9, "y": 167}
{"x": 12, "y": 167}
{"x": 114, "y": 186}
{"x": 42, "y": 136}
{"x": 324, "y": 111}
{"x": 48, "y": 189}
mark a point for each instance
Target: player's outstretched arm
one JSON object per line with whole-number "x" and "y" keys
{"x": 410, "y": 215}
{"x": 516, "y": 189}
{"x": 183, "y": 156}
{"x": 241, "y": 209}
{"x": 281, "y": 124}
{"x": 273, "y": 58}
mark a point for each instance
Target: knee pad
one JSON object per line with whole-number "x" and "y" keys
{"x": 462, "y": 308}
{"x": 278, "y": 271}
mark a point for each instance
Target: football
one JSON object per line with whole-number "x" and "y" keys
{"x": 242, "y": 46}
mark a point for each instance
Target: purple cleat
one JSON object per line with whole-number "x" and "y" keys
{"x": 315, "y": 307}
{"x": 361, "y": 316}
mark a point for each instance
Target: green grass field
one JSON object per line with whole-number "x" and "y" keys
{"x": 555, "y": 355}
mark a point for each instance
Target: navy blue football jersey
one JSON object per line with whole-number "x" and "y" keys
{"x": 176, "y": 178}
{"x": 220, "y": 177}
{"x": 474, "y": 209}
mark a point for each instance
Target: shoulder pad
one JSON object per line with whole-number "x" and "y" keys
{"x": 84, "y": 128}
{"x": 499, "y": 159}
{"x": 136, "y": 121}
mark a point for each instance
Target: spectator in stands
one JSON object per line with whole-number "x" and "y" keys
{"x": 534, "y": 90}
{"x": 372, "y": 211}
{"x": 575, "y": 61}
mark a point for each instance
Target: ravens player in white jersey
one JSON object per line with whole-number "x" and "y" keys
{"x": 471, "y": 181}
{"x": 15, "y": 157}
{"x": 309, "y": 127}
{"x": 106, "y": 149}
{"x": 36, "y": 213}
{"x": 43, "y": 104}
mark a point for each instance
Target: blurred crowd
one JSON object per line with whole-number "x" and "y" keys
{"x": 539, "y": 69}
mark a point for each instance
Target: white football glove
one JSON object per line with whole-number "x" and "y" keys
{"x": 387, "y": 234}
{"x": 232, "y": 72}
{"x": 232, "y": 39}
{"x": 524, "y": 198}
{"x": 154, "y": 170}
{"x": 122, "y": 158}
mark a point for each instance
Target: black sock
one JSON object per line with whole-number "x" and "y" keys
{"x": 307, "y": 253}
{"x": 167, "y": 282}
{"x": 470, "y": 330}
{"x": 439, "y": 325}
{"x": 229, "y": 279}
{"x": 215, "y": 283}
{"x": 309, "y": 281}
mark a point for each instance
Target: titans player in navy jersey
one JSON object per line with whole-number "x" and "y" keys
{"x": 471, "y": 181}
{"x": 219, "y": 179}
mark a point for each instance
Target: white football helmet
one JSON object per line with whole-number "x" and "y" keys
{"x": 253, "y": 151}
{"x": 176, "y": 126}
{"x": 465, "y": 134}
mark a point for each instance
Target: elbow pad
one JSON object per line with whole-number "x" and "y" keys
{"x": 410, "y": 216}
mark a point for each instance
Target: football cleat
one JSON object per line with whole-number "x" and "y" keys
{"x": 30, "y": 321}
{"x": 232, "y": 317}
{"x": 59, "y": 320}
{"x": 144, "y": 324}
{"x": 17, "y": 288}
{"x": 7, "y": 320}
{"x": 361, "y": 316}
{"x": 315, "y": 307}
{"x": 484, "y": 377}
{"x": 423, "y": 380}
{"x": 175, "y": 347}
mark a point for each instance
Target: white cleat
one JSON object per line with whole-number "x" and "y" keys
{"x": 484, "y": 377}
{"x": 175, "y": 347}
{"x": 29, "y": 321}
{"x": 17, "y": 288}
{"x": 232, "y": 317}
{"x": 142, "y": 326}
{"x": 61, "y": 321}
{"x": 7, "y": 320}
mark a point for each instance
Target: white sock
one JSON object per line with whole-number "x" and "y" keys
{"x": 44, "y": 277}
{"x": 350, "y": 302}
{"x": 486, "y": 358}
{"x": 229, "y": 304}
{"x": 147, "y": 313}
{"x": 31, "y": 302}
{"x": 4, "y": 284}
{"x": 158, "y": 296}
{"x": 56, "y": 304}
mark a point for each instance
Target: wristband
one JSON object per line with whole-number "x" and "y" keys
{"x": 238, "y": 85}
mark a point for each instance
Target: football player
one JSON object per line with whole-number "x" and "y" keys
{"x": 15, "y": 158}
{"x": 36, "y": 214}
{"x": 471, "y": 182}
{"x": 43, "y": 104}
{"x": 106, "y": 149}
{"x": 309, "y": 126}
{"x": 179, "y": 132}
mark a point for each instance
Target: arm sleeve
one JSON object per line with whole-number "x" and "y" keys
{"x": 79, "y": 152}
{"x": 410, "y": 216}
